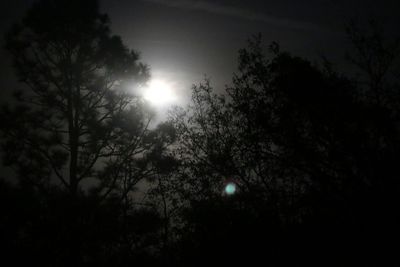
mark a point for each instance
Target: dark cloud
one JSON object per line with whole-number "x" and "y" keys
{"x": 235, "y": 11}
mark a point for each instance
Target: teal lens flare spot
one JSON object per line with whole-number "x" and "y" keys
{"x": 230, "y": 188}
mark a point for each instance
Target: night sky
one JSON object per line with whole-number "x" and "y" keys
{"x": 184, "y": 40}
{"x": 295, "y": 154}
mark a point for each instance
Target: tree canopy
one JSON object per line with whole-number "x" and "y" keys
{"x": 78, "y": 138}
{"x": 311, "y": 150}
{"x": 77, "y": 115}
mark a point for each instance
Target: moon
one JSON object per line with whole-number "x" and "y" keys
{"x": 159, "y": 93}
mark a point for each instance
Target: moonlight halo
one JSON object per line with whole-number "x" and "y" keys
{"x": 159, "y": 93}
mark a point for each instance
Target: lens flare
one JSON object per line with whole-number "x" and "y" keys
{"x": 230, "y": 188}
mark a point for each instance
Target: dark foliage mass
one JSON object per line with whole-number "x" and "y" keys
{"x": 312, "y": 151}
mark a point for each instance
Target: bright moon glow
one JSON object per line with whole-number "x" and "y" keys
{"x": 159, "y": 93}
{"x": 230, "y": 188}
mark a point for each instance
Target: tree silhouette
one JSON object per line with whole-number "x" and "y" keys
{"x": 307, "y": 148}
{"x": 77, "y": 114}
{"x": 78, "y": 136}
{"x": 312, "y": 154}
{"x": 376, "y": 57}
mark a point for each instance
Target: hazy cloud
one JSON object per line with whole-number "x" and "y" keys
{"x": 237, "y": 12}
